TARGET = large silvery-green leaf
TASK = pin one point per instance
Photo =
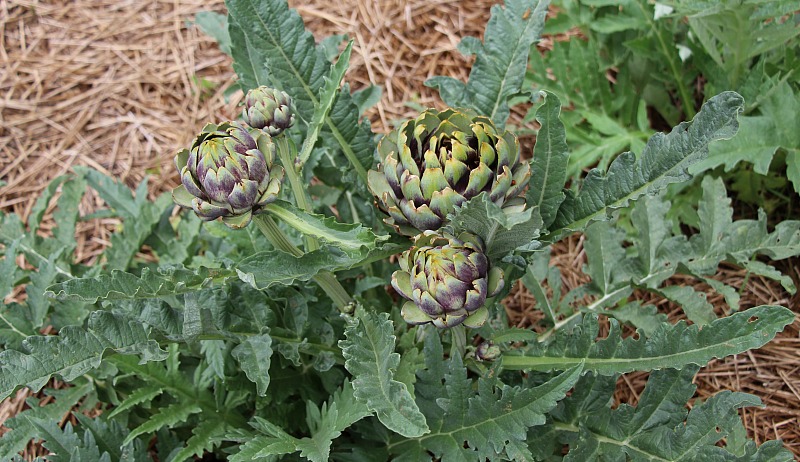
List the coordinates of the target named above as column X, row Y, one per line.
column 490, row 417
column 500, row 61
column 272, row 267
column 272, row 47
column 369, row 355
column 254, row 355
column 658, row 428
column 119, row 285
column 665, row 160
column 549, row 162
column 669, row 346
column 762, row 136
column 74, row 351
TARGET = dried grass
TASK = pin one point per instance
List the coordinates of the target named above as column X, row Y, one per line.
column 119, row 85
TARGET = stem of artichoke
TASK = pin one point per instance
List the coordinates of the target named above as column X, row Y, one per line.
column 325, row 279
column 458, row 340
column 287, row 152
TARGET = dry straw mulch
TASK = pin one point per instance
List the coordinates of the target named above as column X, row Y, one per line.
column 119, row 85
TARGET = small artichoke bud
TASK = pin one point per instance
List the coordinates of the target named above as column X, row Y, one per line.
column 229, row 174
column 434, row 163
column 446, row 280
column 269, row 110
column 487, row 351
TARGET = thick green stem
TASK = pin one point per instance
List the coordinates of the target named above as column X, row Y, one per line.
column 288, row 153
column 326, row 280
column 459, row 340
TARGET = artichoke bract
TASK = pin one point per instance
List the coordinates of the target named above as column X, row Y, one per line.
column 436, row 162
column 268, row 109
column 446, row 280
column 228, row 173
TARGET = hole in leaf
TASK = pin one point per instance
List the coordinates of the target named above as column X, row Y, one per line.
column 752, row 319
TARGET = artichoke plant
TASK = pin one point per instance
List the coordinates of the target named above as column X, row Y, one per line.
column 436, row 162
column 227, row 173
column 268, row 109
column 446, row 280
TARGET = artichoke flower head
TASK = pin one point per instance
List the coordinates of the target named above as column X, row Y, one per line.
column 268, row 109
column 434, row 163
column 228, row 173
column 446, row 280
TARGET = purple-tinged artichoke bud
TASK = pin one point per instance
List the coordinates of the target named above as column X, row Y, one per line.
column 269, row 110
column 487, row 351
column 446, row 280
column 434, row 163
column 229, row 174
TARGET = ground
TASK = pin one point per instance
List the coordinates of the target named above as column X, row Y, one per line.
column 120, row 85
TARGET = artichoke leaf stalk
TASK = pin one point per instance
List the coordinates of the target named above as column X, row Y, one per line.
column 270, row 112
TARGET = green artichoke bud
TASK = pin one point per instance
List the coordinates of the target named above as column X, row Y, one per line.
column 434, row 163
column 446, row 280
column 227, row 173
column 269, row 110
column 487, row 351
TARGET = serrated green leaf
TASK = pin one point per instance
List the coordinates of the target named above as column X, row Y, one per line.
column 342, row 411
column 21, row 428
column 119, row 285
column 327, row 94
column 500, row 63
column 60, row 443
column 493, row 422
column 273, row 267
column 165, row 417
column 74, row 351
column 204, row 438
column 549, row 163
column 663, row 161
column 669, row 346
column 326, row 424
column 502, row 230
column 761, row 136
column 369, row 355
column 353, row 239
column 694, row 303
column 659, row 427
column 254, row 356
column 271, row 47
column 138, row 396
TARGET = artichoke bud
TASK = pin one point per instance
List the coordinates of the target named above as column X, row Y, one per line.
column 269, row 110
column 446, row 280
column 433, row 164
column 228, row 174
column 487, row 351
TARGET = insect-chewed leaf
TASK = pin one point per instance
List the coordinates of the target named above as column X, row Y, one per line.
column 664, row 160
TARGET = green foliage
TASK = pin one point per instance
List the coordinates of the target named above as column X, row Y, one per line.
column 500, row 60
column 669, row 345
column 368, row 352
column 283, row 341
column 493, row 421
column 664, row 160
column 658, row 427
